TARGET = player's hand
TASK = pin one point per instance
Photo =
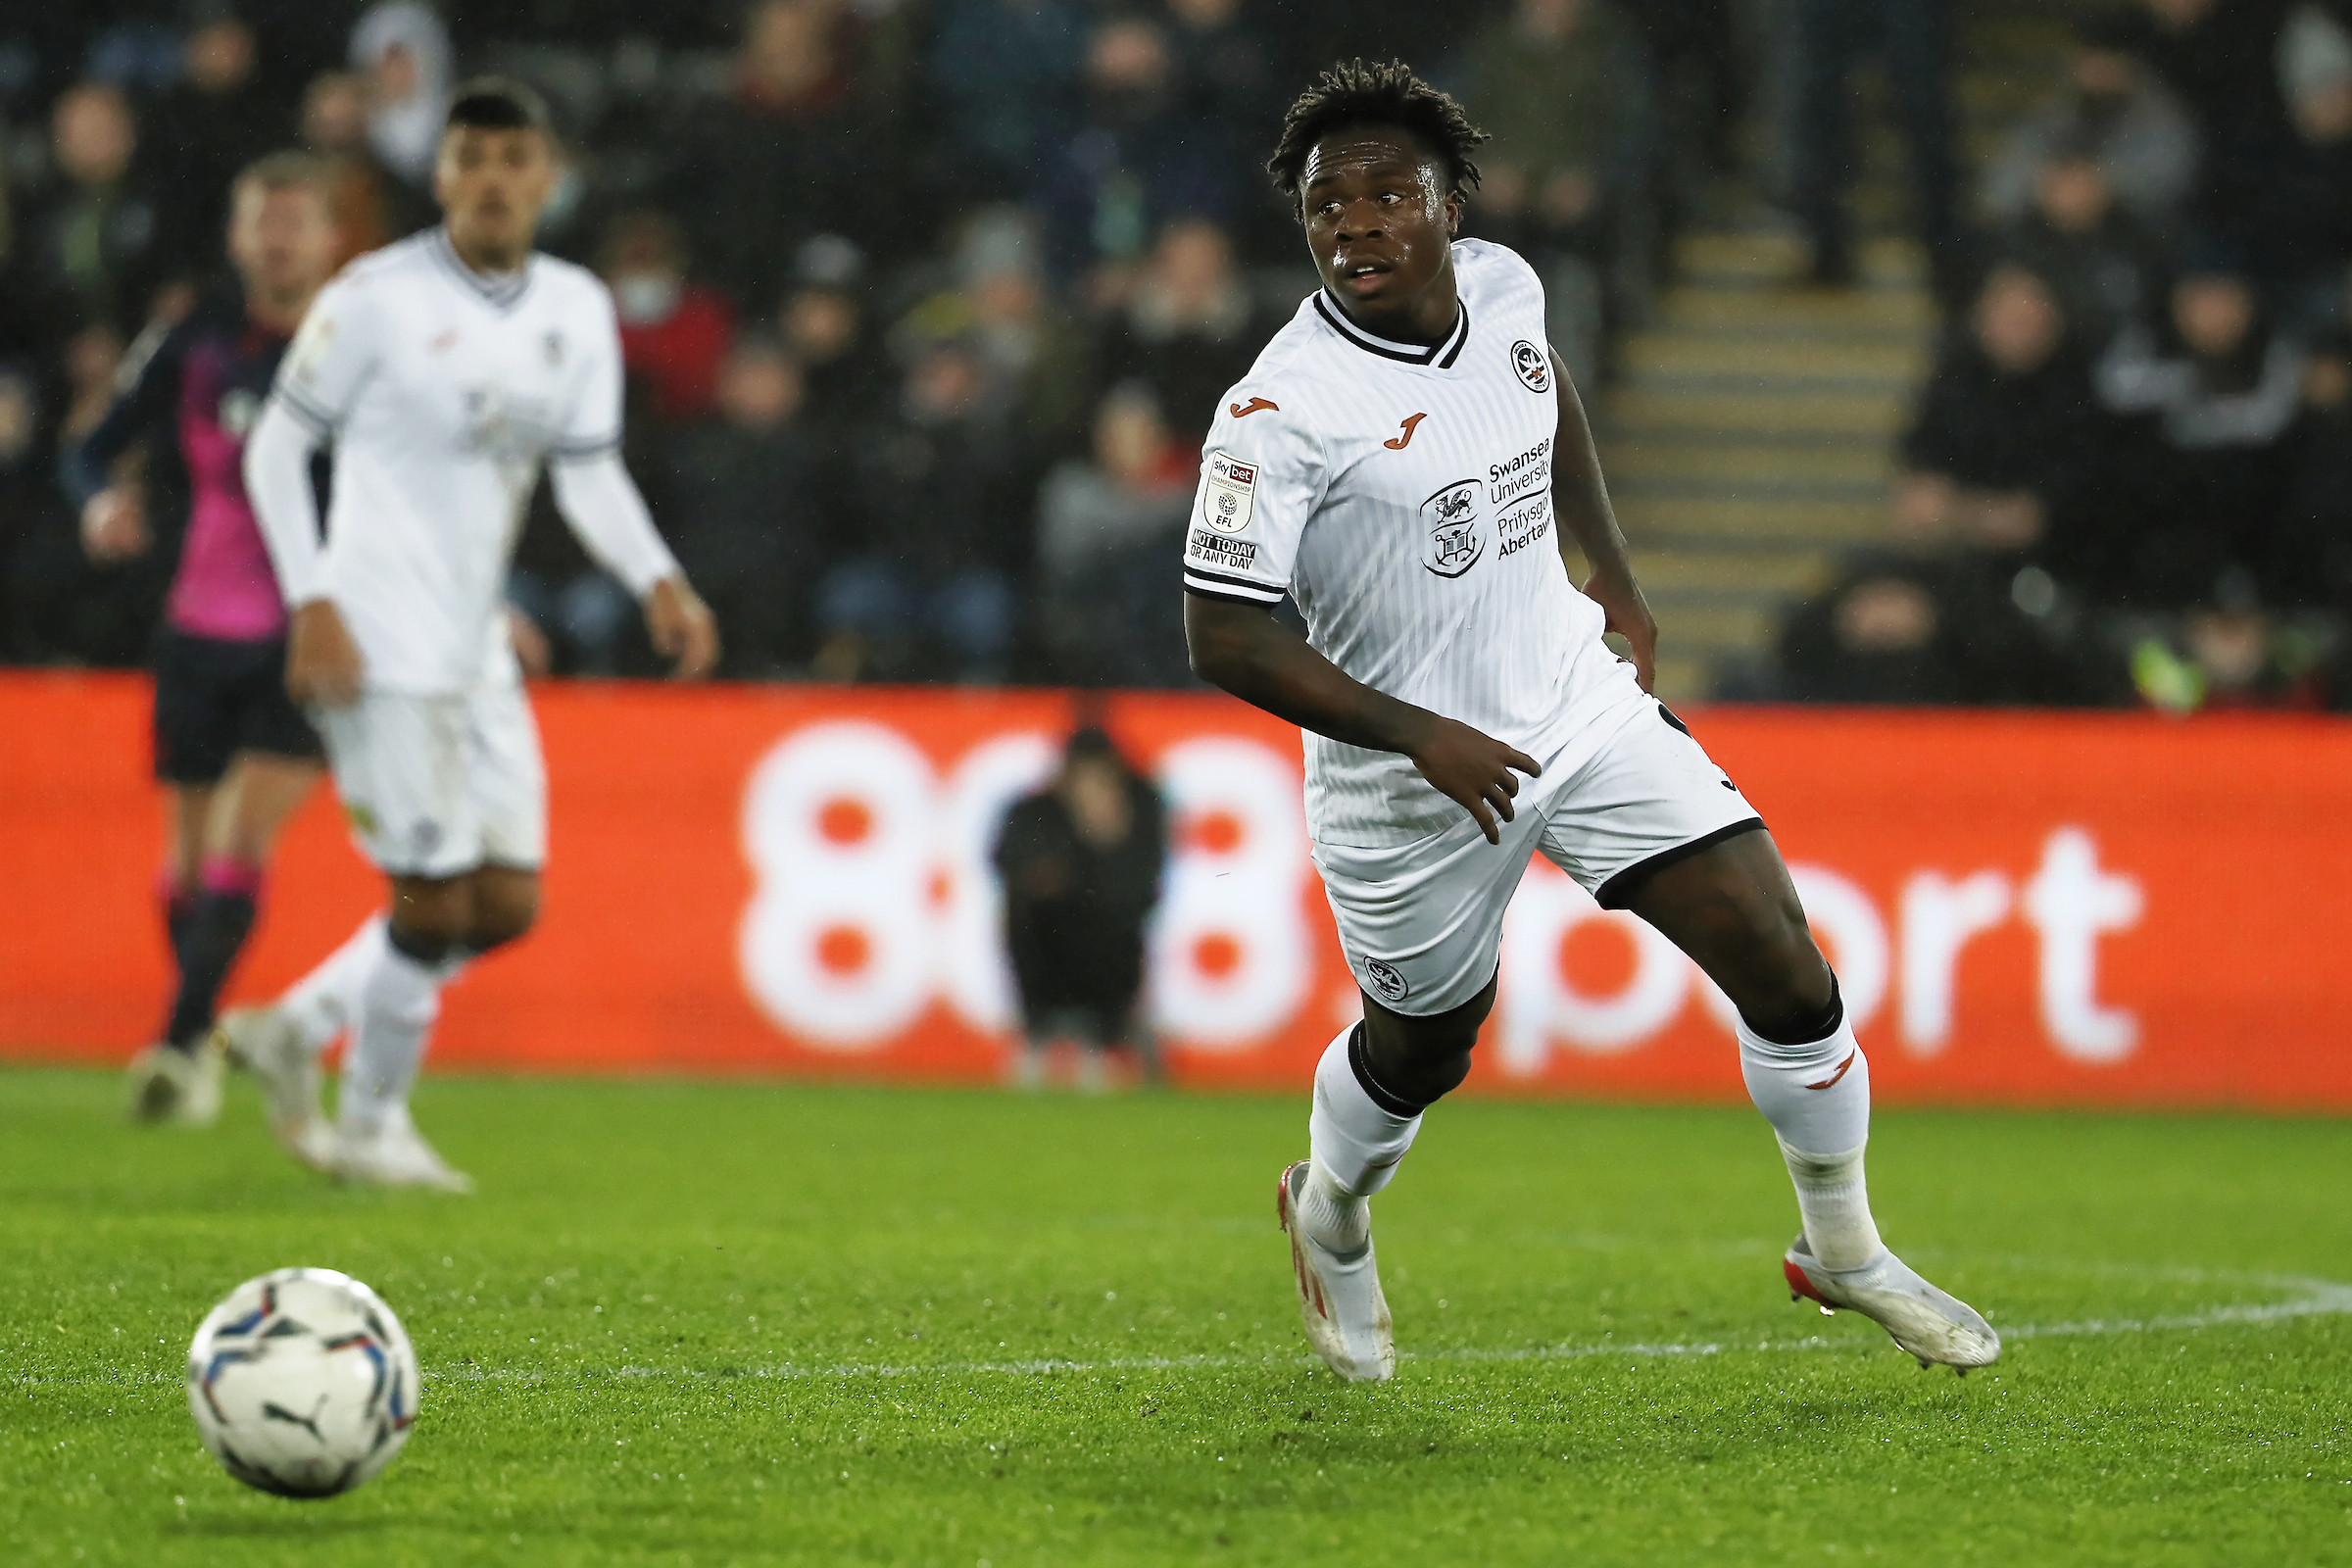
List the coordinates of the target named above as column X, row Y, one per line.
column 114, row 525
column 532, row 651
column 323, row 666
column 1472, row 769
column 682, row 628
column 1629, row 616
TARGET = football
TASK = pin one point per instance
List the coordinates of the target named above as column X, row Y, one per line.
column 302, row 1383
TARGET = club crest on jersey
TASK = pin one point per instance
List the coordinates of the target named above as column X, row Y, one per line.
column 1228, row 493
column 1532, row 364
column 1456, row 534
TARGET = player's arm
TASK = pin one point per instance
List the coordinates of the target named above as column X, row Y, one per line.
column 331, row 358
column 113, row 514
column 1582, row 499
column 608, row 516
column 1243, row 648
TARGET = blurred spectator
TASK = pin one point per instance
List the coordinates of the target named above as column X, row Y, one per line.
column 1005, row 73
column 1034, row 355
column 1698, row 76
column 218, row 119
column 748, row 504
column 29, row 507
column 2222, row 388
column 1915, row 631
column 2102, row 265
column 400, row 51
column 95, row 241
column 1189, row 328
column 2223, row 58
column 1081, row 861
column 2230, row 651
column 1108, row 533
column 1829, row 36
column 2111, row 110
column 823, row 322
column 926, row 586
column 1229, row 68
column 2009, row 457
column 2311, row 557
column 373, row 209
column 791, row 150
column 1559, row 85
column 673, row 333
column 1144, row 152
column 2302, row 224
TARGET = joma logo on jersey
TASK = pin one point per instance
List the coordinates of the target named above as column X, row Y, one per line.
column 1455, row 538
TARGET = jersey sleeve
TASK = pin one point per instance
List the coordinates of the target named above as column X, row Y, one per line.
column 331, row 358
column 591, row 427
column 146, row 390
column 1262, row 476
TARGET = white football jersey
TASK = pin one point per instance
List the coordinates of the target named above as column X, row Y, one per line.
column 1402, row 496
column 443, row 392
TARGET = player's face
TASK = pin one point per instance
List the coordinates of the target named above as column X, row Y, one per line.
column 1380, row 221
column 491, row 184
column 282, row 242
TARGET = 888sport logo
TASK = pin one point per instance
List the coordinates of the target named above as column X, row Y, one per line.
column 874, row 899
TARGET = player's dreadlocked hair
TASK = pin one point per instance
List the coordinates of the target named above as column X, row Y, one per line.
column 1353, row 93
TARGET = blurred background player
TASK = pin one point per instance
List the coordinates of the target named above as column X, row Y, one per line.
column 232, row 749
column 448, row 369
column 1081, row 861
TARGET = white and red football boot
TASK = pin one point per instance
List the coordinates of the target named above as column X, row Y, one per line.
column 1346, row 1318
column 1938, row 1328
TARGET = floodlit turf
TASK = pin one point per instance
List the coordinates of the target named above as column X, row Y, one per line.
column 711, row 1324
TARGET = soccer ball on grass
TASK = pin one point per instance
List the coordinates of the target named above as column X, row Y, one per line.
column 302, row 1383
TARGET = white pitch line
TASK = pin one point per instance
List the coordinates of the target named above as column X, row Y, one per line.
column 2319, row 1299
column 2322, row 1299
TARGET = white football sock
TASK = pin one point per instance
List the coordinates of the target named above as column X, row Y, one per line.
column 1817, row 1098
column 1356, row 1145
column 326, row 1002
column 397, row 1008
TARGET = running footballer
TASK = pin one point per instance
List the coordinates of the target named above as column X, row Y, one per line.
column 1403, row 461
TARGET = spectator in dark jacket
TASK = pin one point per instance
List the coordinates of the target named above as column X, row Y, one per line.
column 219, row 119
column 1189, row 327
column 2008, row 456
column 749, row 500
column 2311, row 556
column 2103, row 264
column 1081, row 862
column 2112, row 109
column 96, row 238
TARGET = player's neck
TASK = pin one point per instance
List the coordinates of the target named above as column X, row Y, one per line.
column 278, row 312
column 488, row 260
column 1427, row 319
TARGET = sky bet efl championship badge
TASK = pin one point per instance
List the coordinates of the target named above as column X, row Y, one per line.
column 1230, row 494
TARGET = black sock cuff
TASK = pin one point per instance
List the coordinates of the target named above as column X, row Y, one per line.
column 1395, row 1105
column 1806, row 1031
column 419, row 949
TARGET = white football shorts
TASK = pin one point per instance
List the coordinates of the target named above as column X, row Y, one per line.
column 435, row 786
column 1422, row 922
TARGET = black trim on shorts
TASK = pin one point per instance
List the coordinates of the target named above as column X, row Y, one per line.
column 1617, row 891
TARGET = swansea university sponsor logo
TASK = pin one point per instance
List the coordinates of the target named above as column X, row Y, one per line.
column 1532, row 365
column 1454, row 534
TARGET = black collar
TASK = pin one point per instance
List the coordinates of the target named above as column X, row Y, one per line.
column 500, row 291
column 1441, row 354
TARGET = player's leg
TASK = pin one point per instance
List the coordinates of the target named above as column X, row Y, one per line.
column 179, row 1079
column 1421, row 924
column 249, row 811
column 1652, row 825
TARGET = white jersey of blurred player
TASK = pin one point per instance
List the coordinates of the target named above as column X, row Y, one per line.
column 444, row 391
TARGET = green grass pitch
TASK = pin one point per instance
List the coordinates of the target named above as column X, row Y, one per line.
column 760, row 1324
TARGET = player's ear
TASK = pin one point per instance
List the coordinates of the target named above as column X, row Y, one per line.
column 1453, row 212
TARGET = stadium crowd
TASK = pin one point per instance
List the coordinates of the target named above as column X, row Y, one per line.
column 927, row 303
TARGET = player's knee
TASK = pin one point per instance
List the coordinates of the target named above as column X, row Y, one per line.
column 431, row 915
column 1423, row 1058
column 505, row 906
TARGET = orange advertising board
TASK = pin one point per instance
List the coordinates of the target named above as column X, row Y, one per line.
column 2024, row 909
